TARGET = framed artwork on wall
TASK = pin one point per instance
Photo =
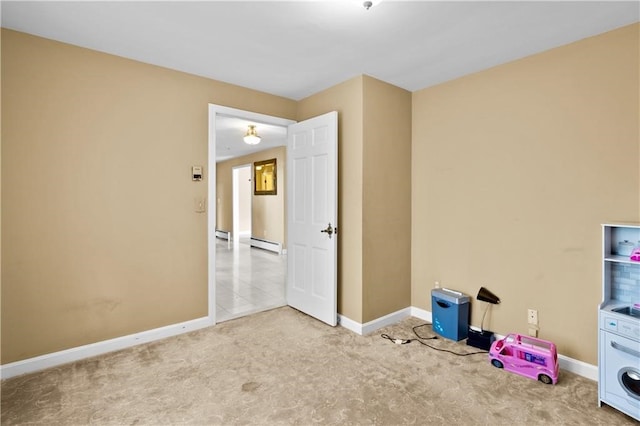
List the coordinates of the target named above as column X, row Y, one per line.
column 264, row 177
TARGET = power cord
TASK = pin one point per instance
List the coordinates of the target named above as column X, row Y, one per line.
column 405, row 341
column 420, row 339
column 397, row 341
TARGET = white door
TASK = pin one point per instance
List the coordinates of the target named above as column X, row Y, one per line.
column 312, row 160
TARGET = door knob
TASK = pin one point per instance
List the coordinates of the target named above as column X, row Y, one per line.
column 329, row 230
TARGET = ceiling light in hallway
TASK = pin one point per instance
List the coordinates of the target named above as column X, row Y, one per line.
column 368, row 4
column 251, row 137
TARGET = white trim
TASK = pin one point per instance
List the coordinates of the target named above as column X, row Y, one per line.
column 386, row 320
column 578, row 367
column 223, row 235
column 66, row 356
column 350, row 324
column 421, row 314
column 371, row 326
column 211, row 217
column 273, row 246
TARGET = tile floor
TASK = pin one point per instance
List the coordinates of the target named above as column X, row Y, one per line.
column 248, row 280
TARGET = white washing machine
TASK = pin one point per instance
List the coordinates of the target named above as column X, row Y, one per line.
column 619, row 384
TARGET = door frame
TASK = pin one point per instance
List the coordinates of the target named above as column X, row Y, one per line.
column 235, row 185
column 214, row 111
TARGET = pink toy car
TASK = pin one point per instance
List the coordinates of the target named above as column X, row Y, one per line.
column 527, row 356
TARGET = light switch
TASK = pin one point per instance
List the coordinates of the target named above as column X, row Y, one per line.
column 196, row 173
column 199, row 204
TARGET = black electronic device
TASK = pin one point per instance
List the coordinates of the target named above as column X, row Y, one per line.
column 484, row 338
column 480, row 339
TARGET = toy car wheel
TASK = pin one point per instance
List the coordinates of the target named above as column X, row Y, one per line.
column 498, row 364
column 545, row 379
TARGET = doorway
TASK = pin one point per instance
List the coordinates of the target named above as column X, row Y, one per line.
column 248, row 279
column 311, row 203
column 243, row 279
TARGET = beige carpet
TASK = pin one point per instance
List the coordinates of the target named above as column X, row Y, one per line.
column 282, row 367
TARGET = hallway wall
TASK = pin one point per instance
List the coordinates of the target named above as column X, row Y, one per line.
column 268, row 212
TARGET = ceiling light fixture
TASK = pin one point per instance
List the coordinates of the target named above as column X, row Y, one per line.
column 368, row 4
column 251, row 137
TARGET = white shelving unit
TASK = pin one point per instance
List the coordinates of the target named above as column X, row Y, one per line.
column 617, row 281
column 619, row 325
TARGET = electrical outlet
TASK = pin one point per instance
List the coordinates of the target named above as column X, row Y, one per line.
column 532, row 316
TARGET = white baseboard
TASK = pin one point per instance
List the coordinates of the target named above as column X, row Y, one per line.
column 266, row 245
column 568, row 364
column 224, row 235
column 371, row 326
column 350, row 324
column 421, row 314
column 578, row 367
column 386, row 320
column 74, row 354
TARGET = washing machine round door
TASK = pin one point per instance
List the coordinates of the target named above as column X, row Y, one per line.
column 629, row 379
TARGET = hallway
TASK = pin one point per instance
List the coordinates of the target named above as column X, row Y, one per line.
column 248, row 280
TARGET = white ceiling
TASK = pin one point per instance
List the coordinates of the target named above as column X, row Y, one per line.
column 229, row 133
column 297, row 48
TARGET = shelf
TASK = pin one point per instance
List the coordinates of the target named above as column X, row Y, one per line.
column 622, row 225
column 620, row 259
column 620, row 289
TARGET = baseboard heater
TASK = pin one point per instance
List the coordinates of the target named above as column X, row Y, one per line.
column 266, row 245
column 224, row 235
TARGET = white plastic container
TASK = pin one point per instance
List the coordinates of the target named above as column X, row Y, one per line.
column 625, row 248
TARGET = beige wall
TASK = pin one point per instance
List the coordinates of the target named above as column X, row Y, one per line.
column 514, row 170
column 99, row 234
column 268, row 211
column 386, row 205
column 346, row 98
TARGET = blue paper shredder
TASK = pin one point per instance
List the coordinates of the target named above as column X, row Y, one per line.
column 450, row 313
